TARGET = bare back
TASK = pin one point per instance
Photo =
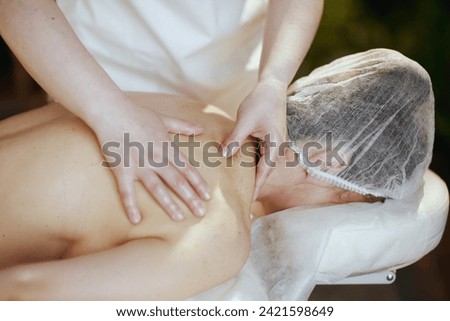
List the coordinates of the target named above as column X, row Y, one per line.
column 57, row 201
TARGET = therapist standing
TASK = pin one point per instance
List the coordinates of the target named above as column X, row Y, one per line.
column 85, row 53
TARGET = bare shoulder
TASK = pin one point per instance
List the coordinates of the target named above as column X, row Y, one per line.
column 36, row 117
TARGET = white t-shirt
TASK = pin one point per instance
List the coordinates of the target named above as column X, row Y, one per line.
column 203, row 49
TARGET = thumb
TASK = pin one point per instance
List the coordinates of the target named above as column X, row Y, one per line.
column 263, row 171
column 234, row 140
column 176, row 125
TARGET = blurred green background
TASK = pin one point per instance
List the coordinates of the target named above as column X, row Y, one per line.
column 420, row 29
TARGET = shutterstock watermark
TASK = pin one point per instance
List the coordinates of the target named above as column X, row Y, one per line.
column 322, row 152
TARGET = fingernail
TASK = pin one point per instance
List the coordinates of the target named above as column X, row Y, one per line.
column 206, row 195
column 178, row 216
column 226, row 152
column 200, row 209
column 135, row 217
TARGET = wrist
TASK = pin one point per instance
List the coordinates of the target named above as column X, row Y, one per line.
column 273, row 86
column 100, row 112
column 273, row 80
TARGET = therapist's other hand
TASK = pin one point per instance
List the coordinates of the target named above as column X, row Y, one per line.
column 155, row 166
column 262, row 114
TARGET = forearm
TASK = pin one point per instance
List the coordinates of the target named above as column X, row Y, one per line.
column 43, row 41
column 139, row 270
column 129, row 272
column 132, row 274
column 289, row 32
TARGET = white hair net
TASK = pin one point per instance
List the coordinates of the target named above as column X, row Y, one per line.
column 373, row 112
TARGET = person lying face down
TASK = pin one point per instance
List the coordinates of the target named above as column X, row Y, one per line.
column 64, row 234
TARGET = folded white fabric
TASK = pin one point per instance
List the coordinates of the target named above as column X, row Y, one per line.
column 295, row 249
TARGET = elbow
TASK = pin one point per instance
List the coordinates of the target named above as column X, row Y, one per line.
column 21, row 284
column 233, row 252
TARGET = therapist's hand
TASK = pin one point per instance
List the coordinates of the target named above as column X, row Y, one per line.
column 262, row 114
column 145, row 126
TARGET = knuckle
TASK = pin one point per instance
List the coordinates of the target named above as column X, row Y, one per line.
column 129, row 203
column 185, row 190
column 151, row 184
column 125, row 192
column 161, row 191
